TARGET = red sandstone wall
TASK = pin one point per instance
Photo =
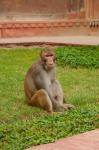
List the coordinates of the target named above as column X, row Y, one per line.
column 23, row 8
column 41, row 9
column 52, row 28
column 75, row 9
column 33, row 6
column 12, row 10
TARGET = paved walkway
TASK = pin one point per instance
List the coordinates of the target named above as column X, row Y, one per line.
column 55, row 40
column 85, row 141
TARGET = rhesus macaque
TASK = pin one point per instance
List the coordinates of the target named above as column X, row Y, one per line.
column 41, row 87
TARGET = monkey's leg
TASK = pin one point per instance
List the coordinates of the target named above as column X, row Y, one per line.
column 41, row 99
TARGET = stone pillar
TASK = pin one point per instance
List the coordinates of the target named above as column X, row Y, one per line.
column 89, row 8
column 96, row 9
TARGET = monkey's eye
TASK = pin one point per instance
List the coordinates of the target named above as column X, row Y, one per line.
column 46, row 55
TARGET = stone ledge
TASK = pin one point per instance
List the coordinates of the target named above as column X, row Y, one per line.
column 42, row 24
column 40, row 28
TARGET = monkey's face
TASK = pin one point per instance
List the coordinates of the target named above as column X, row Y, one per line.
column 48, row 61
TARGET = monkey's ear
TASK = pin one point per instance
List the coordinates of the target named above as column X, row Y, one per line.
column 54, row 59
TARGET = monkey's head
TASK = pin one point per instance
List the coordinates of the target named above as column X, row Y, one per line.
column 48, row 59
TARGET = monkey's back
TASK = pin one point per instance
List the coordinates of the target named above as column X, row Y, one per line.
column 29, row 85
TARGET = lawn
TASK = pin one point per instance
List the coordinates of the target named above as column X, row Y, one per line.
column 21, row 125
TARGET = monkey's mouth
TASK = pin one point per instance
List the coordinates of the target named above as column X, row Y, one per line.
column 50, row 66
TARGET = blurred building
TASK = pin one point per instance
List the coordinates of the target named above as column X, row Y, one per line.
column 20, row 18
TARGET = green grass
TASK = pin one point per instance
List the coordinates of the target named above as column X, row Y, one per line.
column 78, row 56
column 21, row 125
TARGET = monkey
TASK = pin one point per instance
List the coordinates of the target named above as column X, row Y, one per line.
column 41, row 87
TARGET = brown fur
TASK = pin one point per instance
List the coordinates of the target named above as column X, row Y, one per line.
column 41, row 87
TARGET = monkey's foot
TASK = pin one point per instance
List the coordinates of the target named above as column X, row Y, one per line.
column 59, row 109
column 68, row 106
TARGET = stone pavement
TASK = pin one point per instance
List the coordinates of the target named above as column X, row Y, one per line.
column 85, row 141
column 54, row 40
